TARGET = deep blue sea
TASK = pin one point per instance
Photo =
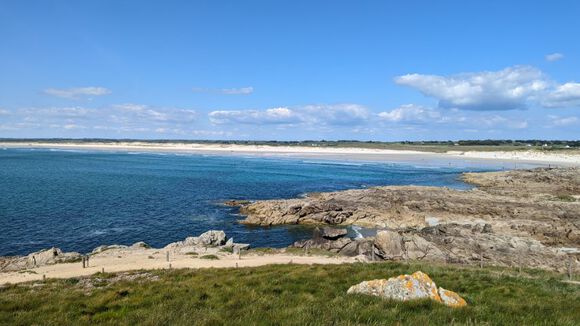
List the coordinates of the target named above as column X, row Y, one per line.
column 78, row 200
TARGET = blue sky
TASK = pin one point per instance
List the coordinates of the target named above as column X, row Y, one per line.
column 290, row 70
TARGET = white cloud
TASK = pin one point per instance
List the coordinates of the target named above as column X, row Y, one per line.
column 138, row 112
column 335, row 114
column 4, row 112
column 410, row 113
column 225, row 91
column 554, row 57
column 122, row 118
column 563, row 121
column 31, row 114
column 507, row 89
column 78, row 92
column 564, row 95
column 495, row 121
column 321, row 115
column 270, row 116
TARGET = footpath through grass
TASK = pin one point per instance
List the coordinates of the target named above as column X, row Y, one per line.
column 290, row 295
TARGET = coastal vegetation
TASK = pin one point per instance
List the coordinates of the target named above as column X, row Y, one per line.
column 290, row 295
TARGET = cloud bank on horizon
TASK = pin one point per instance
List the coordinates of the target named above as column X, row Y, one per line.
column 347, row 71
column 470, row 101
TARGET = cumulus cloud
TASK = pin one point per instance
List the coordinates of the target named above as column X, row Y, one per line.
column 513, row 88
column 410, row 113
column 554, row 57
column 320, row 114
column 78, row 92
column 565, row 95
column 506, row 89
column 225, row 91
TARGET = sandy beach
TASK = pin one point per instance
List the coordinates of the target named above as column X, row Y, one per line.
column 130, row 260
column 530, row 157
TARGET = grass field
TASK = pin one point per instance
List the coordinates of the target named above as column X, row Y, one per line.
column 291, row 295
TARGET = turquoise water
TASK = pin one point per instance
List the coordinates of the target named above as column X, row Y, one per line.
column 77, row 200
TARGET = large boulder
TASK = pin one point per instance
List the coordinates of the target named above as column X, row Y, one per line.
column 390, row 243
column 333, row 233
column 51, row 256
column 212, row 238
column 357, row 247
column 395, row 246
column 417, row 248
column 408, row 287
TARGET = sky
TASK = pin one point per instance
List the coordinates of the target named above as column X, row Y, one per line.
column 290, row 70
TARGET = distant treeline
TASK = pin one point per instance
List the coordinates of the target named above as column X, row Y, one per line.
column 321, row 143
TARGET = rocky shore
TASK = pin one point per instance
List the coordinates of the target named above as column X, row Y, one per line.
column 525, row 218
column 210, row 243
column 522, row 218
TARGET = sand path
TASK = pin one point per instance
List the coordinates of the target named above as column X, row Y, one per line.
column 149, row 259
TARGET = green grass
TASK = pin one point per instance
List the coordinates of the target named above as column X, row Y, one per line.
column 565, row 198
column 293, row 295
column 210, row 257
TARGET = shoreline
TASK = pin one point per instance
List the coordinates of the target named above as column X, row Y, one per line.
column 529, row 158
column 506, row 199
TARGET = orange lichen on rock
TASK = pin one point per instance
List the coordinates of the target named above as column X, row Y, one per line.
column 409, row 287
column 451, row 298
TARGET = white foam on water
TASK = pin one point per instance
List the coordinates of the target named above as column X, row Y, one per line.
column 356, row 230
column 333, row 163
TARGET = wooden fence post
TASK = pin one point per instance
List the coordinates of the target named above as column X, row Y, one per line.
column 570, row 271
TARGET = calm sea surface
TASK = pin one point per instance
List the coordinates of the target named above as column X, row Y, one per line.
column 77, row 200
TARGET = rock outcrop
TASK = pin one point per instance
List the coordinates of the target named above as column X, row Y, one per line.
column 210, row 242
column 210, row 238
column 514, row 218
column 408, row 287
column 40, row 258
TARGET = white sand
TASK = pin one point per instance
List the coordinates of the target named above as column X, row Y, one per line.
column 525, row 157
column 156, row 259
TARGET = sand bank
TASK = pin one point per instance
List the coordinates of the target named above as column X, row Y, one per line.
column 530, row 157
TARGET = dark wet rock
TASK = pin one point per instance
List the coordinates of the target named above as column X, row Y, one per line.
column 333, row 233
column 237, row 202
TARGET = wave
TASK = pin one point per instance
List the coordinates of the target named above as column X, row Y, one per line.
column 356, row 230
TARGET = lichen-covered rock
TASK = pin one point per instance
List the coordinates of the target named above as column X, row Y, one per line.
column 408, row 287
column 451, row 298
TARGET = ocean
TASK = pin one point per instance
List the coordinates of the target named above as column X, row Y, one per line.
column 77, row 200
